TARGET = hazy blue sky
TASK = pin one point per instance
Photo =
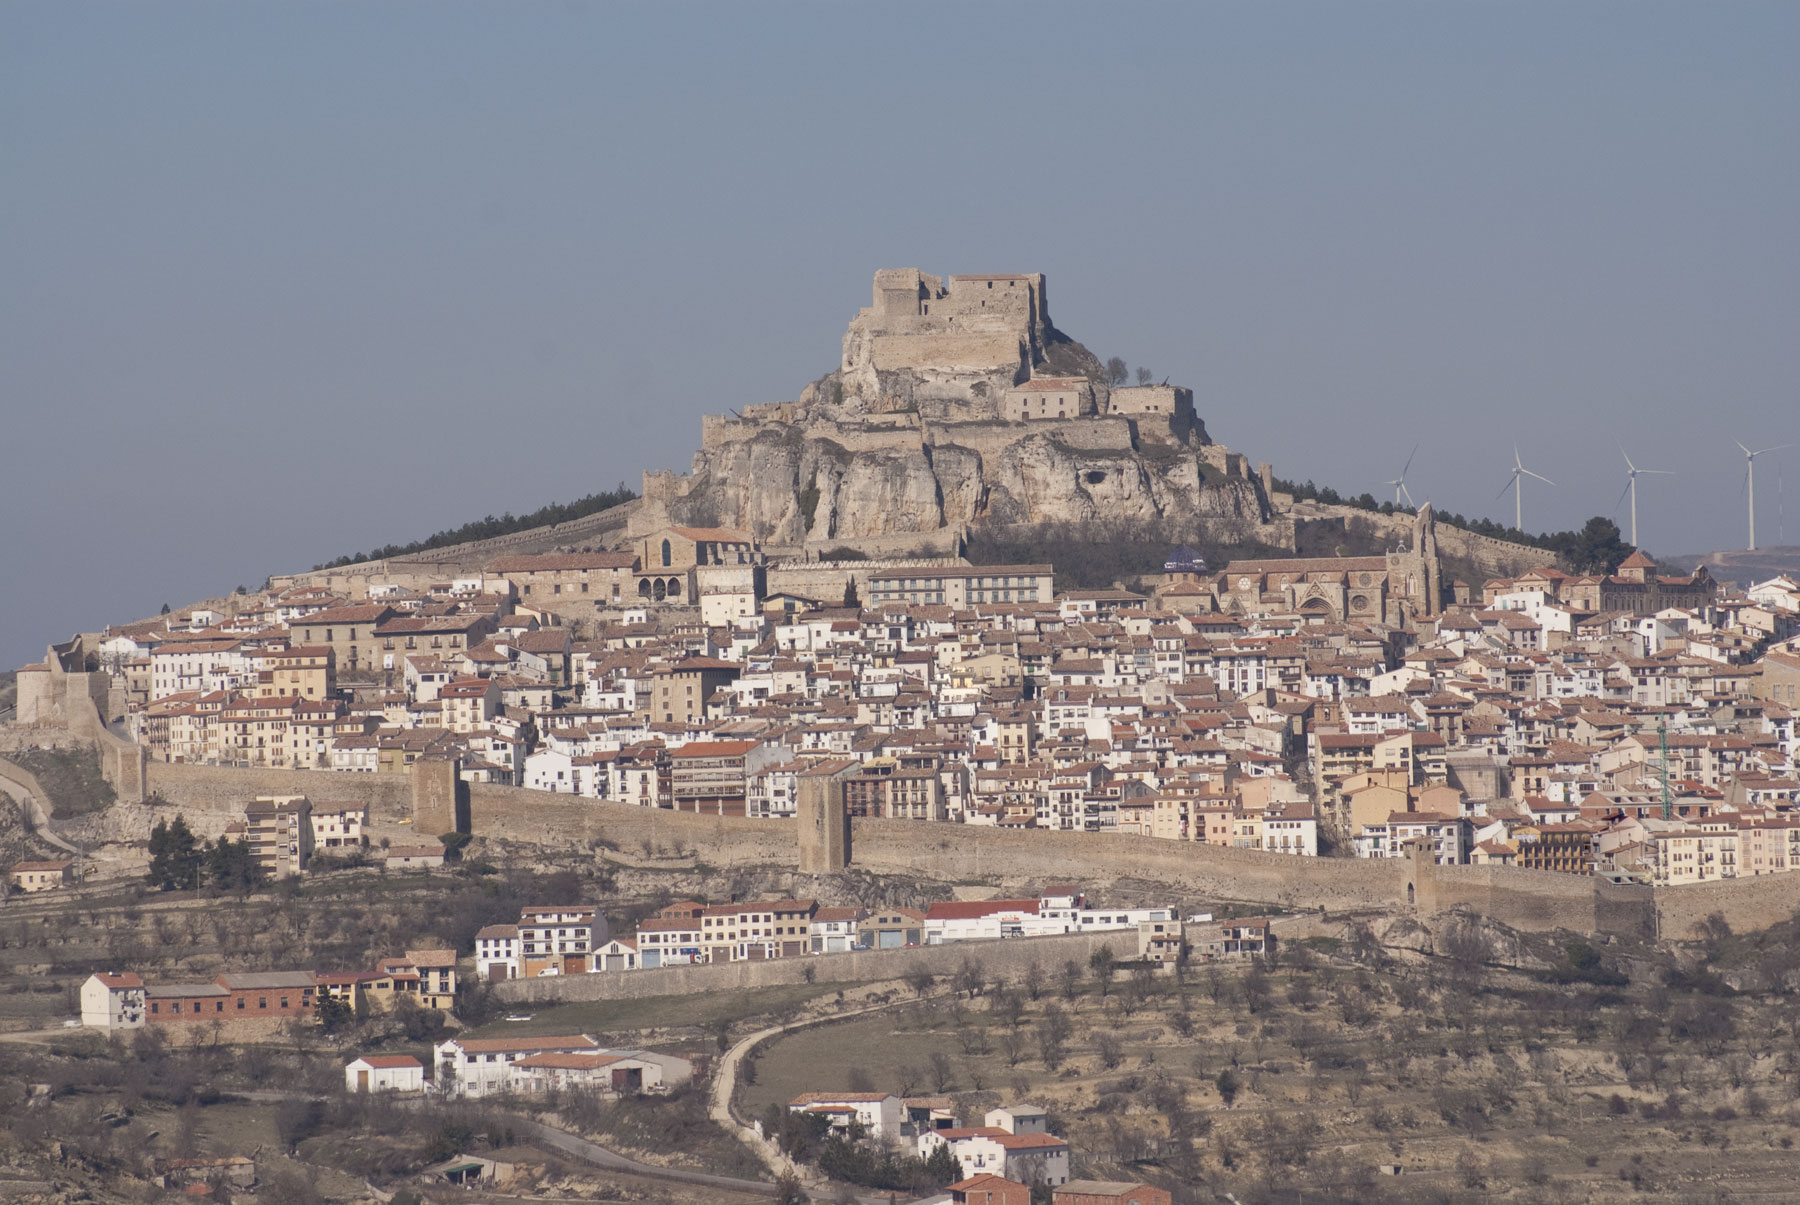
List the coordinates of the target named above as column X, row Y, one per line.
column 282, row 282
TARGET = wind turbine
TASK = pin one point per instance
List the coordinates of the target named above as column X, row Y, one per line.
column 1631, row 488
column 1750, row 481
column 1399, row 483
column 1516, row 485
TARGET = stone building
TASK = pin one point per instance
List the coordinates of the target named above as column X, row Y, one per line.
column 547, row 579
column 944, row 347
column 280, row 833
column 1639, row 589
column 1400, row 586
column 1048, row 398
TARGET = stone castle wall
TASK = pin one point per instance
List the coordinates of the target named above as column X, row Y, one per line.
column 1746, row 904
column 1099, row 434
column 422, row 569
column 1532, row 900
column 825, row 580
column 950, row 353
column 1500, row 558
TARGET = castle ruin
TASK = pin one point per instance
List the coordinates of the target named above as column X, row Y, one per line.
column 957, row 403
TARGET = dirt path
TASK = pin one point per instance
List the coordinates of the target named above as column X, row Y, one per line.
column 16, row 782
column 724, row 1086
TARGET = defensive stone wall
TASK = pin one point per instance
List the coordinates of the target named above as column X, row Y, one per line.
column 1490, row 556
column 224, row 790
column 1101, row 434
column 1497, row 557
column 946, row 352
column 946, row 541
column 825, row 580
column 64, row 696
column 423, row 568
column 1007, row 859
column 1746, row 904
column 997, row 960
column 1524, row 899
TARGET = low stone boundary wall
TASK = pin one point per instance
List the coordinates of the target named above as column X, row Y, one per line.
column 1007, row 959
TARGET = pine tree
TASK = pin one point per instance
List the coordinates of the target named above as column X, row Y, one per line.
column 176, row 857
column 941, row 1167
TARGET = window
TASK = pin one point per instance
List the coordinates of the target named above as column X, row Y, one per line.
column 666, row 554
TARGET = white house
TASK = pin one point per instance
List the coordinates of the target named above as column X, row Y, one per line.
column 112, row 1002
column 879, row 1114
column 384, row 1073
column 617, row 1072
column 497, row 952
column 1291, row 830
column 833, row 930
column 1020, row 1119
column 415, row 857
column 668, row 942
column 619, row 954
column 339, row 825
column 993, row 1150
column 483, row 1066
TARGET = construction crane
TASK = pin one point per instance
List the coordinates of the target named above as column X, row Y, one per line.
column 1662, row 737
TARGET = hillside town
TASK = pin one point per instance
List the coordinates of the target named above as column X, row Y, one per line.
column 1634, row 725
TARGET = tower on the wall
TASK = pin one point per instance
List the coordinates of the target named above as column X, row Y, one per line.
column 440, row 798
column 823, row 820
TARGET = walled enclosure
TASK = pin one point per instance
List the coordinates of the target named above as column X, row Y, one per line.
column 1523, row 899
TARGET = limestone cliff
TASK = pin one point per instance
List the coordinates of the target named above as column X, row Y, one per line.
column 789, row 485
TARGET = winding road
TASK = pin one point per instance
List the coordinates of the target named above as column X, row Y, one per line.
column 36, row 811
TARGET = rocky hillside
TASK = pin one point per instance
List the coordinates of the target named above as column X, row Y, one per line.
column 789, row 485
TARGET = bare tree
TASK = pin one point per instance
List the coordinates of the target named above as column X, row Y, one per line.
column 1012, row 1045
column 1139, row 987
column 1034, row 980
column 1052, row 1035
column 1144, row 375
column 1071, row 979
column 1116, row 372
column 1009, row 1004
column 972, row 1039
column 1109, row 1048
column 907, row 1079
column 943, row 1071
column 1101, row 962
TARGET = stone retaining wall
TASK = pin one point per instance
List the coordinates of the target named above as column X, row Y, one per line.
column 997, row 959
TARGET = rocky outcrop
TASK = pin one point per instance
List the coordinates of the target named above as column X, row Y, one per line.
column 788, row 486
column 921, row 430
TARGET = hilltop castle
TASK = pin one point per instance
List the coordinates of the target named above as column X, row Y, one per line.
column 955, row 404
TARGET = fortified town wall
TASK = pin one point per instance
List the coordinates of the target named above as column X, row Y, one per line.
column 1523, row 899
